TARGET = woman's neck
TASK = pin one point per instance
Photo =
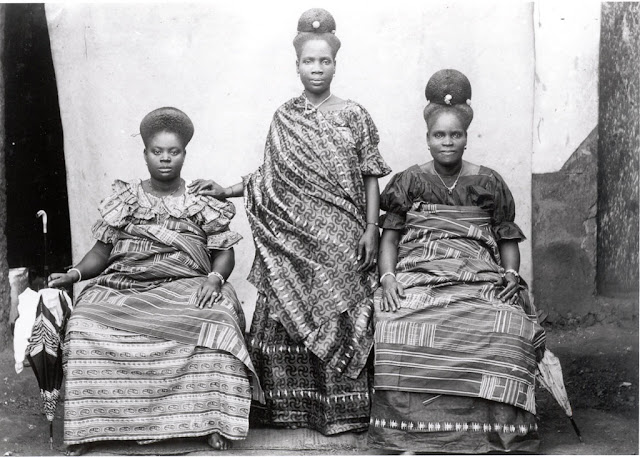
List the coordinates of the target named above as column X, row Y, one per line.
column 164, row 187
column 447, row 170
column 317, row 99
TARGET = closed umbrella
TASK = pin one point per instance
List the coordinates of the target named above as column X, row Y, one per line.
column 44, row 350
column 549, row 375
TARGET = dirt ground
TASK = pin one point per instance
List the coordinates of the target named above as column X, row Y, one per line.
column 600, row 365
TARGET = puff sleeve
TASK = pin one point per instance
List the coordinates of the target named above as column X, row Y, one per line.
column 396, row 201
column 115, row 212
column 504, row 213
column 214, row 216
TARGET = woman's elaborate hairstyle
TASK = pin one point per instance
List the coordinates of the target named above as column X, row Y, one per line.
column 449, row 91
column 167, row 119
column 316, row 24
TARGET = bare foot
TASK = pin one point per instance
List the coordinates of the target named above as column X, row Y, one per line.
column 218, row 442
column 77, row 449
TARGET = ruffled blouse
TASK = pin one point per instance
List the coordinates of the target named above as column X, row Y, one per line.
column 477, row 186
column 130, row 204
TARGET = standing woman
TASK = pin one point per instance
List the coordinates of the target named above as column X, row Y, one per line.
column 313, row 208
column 456, row 336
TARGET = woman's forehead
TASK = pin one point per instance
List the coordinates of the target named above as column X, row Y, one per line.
column 445, row 120
column 316, row 47
column 165, row 138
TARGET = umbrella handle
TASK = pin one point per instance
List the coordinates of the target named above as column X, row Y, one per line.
column 42, row 213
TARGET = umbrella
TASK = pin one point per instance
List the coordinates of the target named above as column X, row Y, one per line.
column 549, row 375
column 44, row 350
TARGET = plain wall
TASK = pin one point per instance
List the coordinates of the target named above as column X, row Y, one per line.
column 229, row 65
column 567, row 39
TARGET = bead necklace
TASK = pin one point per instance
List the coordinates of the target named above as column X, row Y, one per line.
column 450, row 189
column 164, row 196
column 306, row 100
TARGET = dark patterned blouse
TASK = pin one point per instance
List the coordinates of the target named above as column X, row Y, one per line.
column 477, row 186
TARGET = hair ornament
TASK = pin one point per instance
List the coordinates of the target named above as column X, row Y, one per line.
column 448, row 90
column 316, row 24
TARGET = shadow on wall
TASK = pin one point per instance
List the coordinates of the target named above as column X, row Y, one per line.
column 564, row 233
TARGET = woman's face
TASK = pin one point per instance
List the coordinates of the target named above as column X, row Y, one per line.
column 164, row 155
column 446, row 138
column 316, row 66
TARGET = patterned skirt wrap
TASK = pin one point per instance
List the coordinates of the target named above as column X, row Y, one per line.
column 301, row 390
column 454, row 360
column 125, row 386
column 137, row 339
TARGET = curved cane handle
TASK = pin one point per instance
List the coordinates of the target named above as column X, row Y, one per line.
column 42, row 213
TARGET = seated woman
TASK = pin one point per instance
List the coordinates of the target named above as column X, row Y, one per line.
column 155, row 346
column 456, row 335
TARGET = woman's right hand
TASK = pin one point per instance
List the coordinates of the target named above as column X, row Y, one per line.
column 209, row 292
column 61, row 279
column 392, row 292
column 208, row 187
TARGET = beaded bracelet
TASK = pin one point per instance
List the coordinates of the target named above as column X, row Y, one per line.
column 217, row 275
column 373, row 223
column 513, row 272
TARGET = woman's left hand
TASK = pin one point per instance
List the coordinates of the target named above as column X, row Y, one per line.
column 368, row 248
column 209, row 292
column 511, row 287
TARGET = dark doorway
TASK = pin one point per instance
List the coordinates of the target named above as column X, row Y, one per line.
column 34, row 159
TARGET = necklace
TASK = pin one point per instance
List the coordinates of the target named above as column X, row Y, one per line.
column 450, row 189
column 164, row 196
column 306, row 100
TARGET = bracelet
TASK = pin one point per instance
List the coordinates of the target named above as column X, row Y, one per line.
column 77, row 271
column 388, row 273
column 373, row 223
column 513, row 272
column 217, row 275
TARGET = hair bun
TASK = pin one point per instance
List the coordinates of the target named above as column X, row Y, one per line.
column 169, row 119
column 448, row 87
column 317, row 20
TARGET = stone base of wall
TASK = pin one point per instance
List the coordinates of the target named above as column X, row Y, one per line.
column 564, row 234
